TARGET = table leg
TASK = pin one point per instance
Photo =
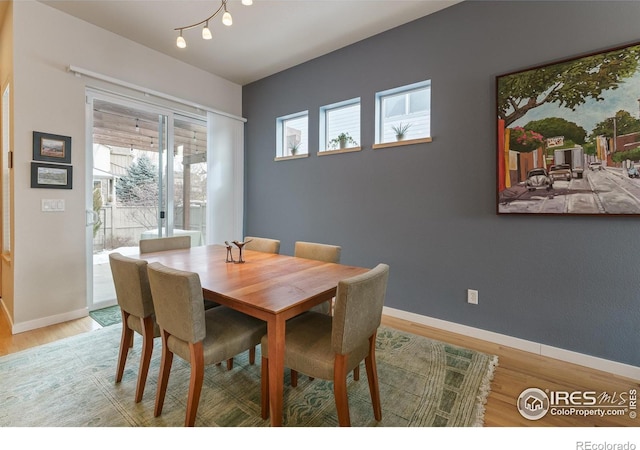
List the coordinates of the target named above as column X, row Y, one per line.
column 275, row 335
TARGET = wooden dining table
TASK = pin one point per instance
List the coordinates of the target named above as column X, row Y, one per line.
column 268, row 286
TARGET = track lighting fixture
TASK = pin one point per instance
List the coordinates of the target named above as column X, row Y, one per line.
column 206, row 32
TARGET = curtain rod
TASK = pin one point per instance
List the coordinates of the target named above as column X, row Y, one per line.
column 88, row 73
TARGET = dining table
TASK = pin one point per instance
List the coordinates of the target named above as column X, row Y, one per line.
column 271, row 287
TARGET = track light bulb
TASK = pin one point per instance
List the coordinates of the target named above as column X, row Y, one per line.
column 206, row 32
column 181, row 43
column 227, row 19
column 247, row 2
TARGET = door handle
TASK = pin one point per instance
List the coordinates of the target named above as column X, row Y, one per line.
column 92, row 217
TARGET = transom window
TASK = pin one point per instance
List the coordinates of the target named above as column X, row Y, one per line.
column 404, row 113
column 292, row 135
column 340, row 126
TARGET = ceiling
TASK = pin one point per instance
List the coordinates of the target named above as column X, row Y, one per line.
column 265, row 38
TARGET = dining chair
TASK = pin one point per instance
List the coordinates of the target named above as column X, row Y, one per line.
column 328, row 347
column 318, row 252
column 197, row 336
column 134, row 298
column 169, row 243
column 164, row 243
column 264, row 245
column 326, row 253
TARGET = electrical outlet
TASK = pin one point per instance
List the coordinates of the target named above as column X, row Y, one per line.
column 472, row 296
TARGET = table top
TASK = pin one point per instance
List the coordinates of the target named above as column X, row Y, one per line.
column 265, row 284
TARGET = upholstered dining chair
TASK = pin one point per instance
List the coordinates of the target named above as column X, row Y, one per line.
column 328, row 347
column 164, row 243
column 134, row 298
column 197, row 336
column 318, row 252
column 326, row 253
column 264, row 245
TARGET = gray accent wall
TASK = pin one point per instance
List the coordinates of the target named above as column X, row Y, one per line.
column 429, row 210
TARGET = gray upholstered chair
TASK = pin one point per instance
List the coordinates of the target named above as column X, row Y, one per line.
column 319, row 252
column 169, row 243
column 134, row 298
column 265, row 245
column 164, row 243
column 328, row 347
column 197, row 336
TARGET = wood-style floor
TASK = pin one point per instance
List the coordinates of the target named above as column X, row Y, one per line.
column 517, row 371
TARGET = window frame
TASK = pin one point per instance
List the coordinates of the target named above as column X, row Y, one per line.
column 283, row 153
column 325, row 111
column 406, row 90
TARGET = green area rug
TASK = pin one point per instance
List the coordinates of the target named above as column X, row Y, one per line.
column 111, row 315
column 70, row 383
column 107, row 316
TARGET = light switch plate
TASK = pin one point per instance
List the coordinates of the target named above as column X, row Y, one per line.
column 52, row 205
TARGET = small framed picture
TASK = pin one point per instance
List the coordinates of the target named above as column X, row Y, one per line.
column 51, row 147
column 51, row 176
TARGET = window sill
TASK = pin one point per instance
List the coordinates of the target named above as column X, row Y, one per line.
column 286, row 158
column 401, row 143
column 341, row 150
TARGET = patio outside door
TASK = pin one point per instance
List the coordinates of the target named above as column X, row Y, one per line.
column 139, row 189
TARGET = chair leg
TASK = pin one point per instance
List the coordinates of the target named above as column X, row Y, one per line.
column 340, row 390
column 252, row 355
column 163, row 377
column 145, row 358
column 372, row 376
column 356, row 373
column 294, row 378
column 229, row 363
column 195, row 383
column 264, row 382
column 127, row 335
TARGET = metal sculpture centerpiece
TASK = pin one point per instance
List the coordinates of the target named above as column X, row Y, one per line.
column 240, row 246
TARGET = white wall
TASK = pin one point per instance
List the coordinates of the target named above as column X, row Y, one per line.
column 49, row 254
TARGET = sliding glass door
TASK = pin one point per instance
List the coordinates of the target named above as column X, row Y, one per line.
column 148, row 180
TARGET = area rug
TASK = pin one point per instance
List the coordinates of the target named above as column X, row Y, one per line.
column 111, row 315
column 70, row 383
column 108, row 316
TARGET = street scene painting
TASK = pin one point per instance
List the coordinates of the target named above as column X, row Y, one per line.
column 569, row 136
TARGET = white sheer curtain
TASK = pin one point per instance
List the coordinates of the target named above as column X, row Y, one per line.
column 225, row 182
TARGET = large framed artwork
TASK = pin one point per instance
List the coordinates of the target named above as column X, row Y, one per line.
column 569, row 136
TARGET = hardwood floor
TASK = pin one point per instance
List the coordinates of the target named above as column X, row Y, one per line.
column 14, row 343
column 517, row 371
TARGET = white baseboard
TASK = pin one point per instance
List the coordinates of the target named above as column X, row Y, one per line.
column 592, row 362
column 49, row 320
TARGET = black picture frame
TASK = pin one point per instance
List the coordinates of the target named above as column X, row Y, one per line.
column 51, row 176
column 51, row 147
column 568, row 136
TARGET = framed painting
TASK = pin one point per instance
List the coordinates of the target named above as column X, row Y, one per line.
column 51, row 176
column 568, row 136
column 51, row 147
